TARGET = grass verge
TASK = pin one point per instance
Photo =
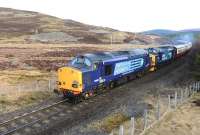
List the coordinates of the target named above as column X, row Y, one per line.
column 22, row 99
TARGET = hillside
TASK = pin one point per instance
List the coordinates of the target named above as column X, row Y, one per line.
column 17, row 26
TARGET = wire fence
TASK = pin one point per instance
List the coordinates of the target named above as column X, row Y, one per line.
column 9, row 92
column 141, row 122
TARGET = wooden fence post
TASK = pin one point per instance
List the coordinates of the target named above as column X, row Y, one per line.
column 132, row 126
column 49, row 85
column 169, row 102
column 175, row 100
column 158, row 110
column 145, row 119
column 181, row 96
column 121, row 130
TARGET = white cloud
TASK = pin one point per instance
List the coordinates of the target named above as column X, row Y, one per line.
column 128, row 15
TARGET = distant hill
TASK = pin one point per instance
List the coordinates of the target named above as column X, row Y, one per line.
column 191, row 30
column 190, row 35
column 17, row 26
column 159, row 32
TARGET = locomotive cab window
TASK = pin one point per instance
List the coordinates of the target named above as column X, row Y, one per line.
column 81, row 61
column 108, row 70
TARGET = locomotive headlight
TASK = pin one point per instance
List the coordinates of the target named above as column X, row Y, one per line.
column 58, row 83
column 75, row 84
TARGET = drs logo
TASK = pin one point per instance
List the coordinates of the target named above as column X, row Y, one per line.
column 128, row 66
column 166, row 56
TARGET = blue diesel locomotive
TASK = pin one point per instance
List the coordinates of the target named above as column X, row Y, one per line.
column 87, row 75
column 164, row 55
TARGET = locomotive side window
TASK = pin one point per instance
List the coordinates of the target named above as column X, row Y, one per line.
column 96, row 65
column 108, row 70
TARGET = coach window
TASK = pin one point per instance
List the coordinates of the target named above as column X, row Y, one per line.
column 108, row 70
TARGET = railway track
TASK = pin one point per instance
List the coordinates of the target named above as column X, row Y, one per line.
column 26, row 120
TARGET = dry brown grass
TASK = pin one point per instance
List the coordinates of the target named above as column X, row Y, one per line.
column 18, row 88
column 22, row 76
column 184, row 121
column 110, row 122
column 21, row 99
column 151, row 102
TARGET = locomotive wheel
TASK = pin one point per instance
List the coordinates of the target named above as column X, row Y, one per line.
column 140, row 75
column 76, row 99
column 126, row 79
column 111, row 85
column 64, row 95
column 86, row 96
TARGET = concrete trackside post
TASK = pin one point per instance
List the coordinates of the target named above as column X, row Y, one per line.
column 132, row 130
column 190, row 90
column 169, row 102
column 1, row 110
column 111, row 133
column 175, row 100
column 193, row 89
column 181, row 96
column 121, row 130
column 158, row 110
column 49, row 85
column 186, row 94
column 145, row 119
column 198, row 86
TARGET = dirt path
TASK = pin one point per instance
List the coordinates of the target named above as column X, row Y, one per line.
column 184, row 121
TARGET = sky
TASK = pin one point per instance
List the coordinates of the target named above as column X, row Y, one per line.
column 125, row 15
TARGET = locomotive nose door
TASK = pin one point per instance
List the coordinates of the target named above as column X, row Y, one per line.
column 153, row 58
column 98, row 72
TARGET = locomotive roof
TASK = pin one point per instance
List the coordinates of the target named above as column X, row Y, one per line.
column 183, row 45
column 162, row 49
column 104, row 56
